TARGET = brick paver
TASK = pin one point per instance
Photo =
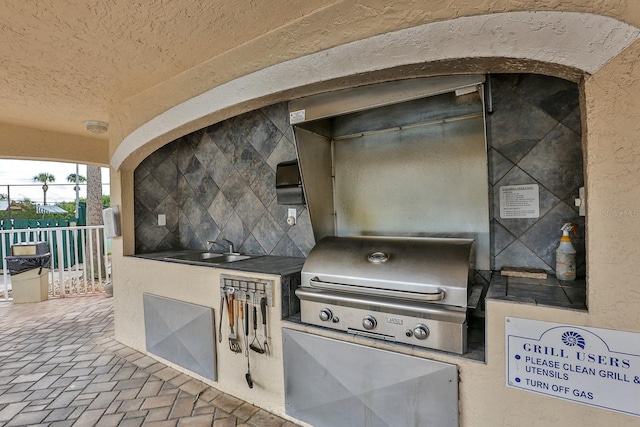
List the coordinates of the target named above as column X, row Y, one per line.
column 60, row 366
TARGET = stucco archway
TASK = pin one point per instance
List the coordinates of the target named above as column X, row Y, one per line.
column 564, row 40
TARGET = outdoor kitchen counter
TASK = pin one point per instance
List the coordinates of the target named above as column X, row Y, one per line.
column 185, row 290
column 264, row 264
column 549, row 292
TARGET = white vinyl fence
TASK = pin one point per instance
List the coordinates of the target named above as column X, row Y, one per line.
column 75, row 253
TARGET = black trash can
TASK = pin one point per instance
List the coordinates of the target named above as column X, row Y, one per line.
column 29, row 272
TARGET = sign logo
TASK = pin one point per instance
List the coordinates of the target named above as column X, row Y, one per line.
column 572, row 338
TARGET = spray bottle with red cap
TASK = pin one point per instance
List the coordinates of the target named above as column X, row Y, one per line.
column 566, row 254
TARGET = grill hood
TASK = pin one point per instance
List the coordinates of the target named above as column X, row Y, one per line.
column 413, row 268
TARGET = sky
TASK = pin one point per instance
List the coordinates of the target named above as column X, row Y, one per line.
column 18, row 174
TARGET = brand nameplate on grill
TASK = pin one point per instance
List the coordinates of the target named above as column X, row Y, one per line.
column 394, row 320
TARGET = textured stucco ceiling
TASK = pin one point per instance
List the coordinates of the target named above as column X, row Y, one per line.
column 127, row 61
column 66, row 61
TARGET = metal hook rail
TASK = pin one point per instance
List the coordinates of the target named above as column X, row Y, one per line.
column 247, row 289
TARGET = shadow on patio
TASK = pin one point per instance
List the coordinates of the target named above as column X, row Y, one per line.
column 60, row 366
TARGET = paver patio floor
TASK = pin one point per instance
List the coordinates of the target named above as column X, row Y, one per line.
column 60, row 366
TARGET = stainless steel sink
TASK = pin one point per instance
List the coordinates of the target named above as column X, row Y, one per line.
column 207, row 258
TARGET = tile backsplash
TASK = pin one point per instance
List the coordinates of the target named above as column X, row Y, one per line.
column 219, row 182
column 534, row 136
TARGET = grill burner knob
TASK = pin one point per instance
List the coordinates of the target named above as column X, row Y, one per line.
column 369, row 323
column 325, row 314
column 421, row 332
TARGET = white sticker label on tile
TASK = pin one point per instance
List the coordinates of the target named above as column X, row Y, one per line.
column 297, row 116
column 519, row 201
column 591, row 366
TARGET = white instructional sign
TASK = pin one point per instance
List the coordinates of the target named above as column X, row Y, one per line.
column 595, row 367
column 297, row 116
column 519, row 201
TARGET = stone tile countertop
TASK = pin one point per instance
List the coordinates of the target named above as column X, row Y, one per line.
column 264, row 264
column 549, row 292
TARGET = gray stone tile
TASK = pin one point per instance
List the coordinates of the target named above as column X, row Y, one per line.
column 150, row 193
column 232, row 143
column 234, row 188
column 250, row 209
column 280, row 213
column 556, row 162
column 557, row 97
column 166, row 174
column 220, row 210
column 194, row 211
column 194, row 173
column 498, row 166
column 207, row 230
column 302, row 234
column 251, row 246
column 265, row 184
column 160, row 155
column 279, row 115
column 234, row 230
column 249, row 163
column 220, row 169
column 203, row 148
column 573, row 121
column 141, row 172
column 169, row 206
column 267, row 232
column 517, row 125
column 260, row 132
column 283, row 152
column 286, row 247
column 518, row 255
column 501, row 238
column 544, row 236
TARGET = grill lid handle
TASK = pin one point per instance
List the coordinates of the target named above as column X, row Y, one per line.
column 319, row 284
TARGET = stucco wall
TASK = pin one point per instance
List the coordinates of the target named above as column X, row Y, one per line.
column 611, row 128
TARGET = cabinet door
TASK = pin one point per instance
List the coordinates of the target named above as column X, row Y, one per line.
column 182, row 333
column 331, row 383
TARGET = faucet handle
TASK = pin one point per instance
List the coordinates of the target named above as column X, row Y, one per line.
column 231, row 246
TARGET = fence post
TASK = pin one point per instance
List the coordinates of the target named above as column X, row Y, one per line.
column 60, row 262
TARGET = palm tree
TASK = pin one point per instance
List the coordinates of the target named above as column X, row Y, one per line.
column 94, row 209
column 44, row 177
column 76, row 178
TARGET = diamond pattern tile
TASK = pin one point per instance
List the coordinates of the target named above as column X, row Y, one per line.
column 225, row 175
column 223, row 186
column 535, row 138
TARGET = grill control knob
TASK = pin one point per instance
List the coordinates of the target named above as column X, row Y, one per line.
column 325, row 314
column 369, row 323
column 421, row 332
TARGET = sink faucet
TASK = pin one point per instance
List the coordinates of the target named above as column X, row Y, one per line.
column 228, row 246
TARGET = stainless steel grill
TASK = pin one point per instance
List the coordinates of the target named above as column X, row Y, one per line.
column 411, row 290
